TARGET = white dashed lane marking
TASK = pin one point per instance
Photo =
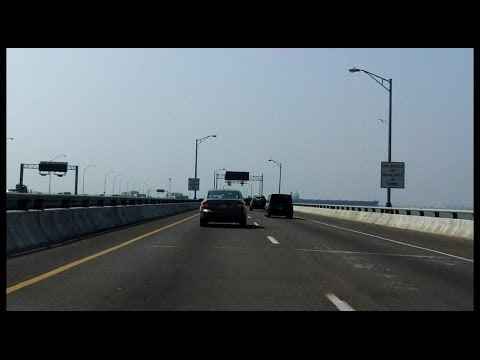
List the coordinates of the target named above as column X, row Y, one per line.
column 272, row 239
column 341, row 305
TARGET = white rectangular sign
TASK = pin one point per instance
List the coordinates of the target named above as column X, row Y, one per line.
column 393, row 175
column 193, row 184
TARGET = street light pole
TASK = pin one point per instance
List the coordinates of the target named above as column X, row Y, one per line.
column 389, row 89
column 133, row 185
column 120, row 185
column 214, row 177
column 84, row 170
column 113, row 189
column 129, row 181
column 198, row 142
column 280, row 178
column 105, row 183
column 50, row 173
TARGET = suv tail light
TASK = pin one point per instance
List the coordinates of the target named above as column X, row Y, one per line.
column 240, row 204
column 205, row 204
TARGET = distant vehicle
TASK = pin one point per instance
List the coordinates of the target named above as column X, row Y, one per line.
column 223, row 206
column 279, row 204
column 21, row 188
column 258, row 202
column 248, row 200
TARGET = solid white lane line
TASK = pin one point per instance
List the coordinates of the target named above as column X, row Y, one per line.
column 255, row 224
column 372, row 253
column 272, row 239
column 341, row 305
column 394, row 241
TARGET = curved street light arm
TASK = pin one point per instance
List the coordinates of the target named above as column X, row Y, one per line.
column 56, row 157
column 276, row 162
column 374, row 77
column 199, row 141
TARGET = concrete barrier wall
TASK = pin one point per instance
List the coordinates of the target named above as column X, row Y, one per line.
column 449, row 227
column 27, row 230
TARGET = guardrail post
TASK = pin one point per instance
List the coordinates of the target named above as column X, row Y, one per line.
column 23, row 204
column 38, row 204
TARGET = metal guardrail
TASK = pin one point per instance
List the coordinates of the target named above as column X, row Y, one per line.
column 18, row 201
column 443, row 213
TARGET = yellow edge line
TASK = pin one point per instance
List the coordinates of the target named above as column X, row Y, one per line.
column 88, row 258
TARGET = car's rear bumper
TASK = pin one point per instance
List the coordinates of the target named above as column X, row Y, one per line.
column 282, row 212
column 223, row 216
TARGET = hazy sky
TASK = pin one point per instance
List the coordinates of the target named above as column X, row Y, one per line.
column 138, row 112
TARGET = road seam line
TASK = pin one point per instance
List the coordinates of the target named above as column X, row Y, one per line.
column 372, row 253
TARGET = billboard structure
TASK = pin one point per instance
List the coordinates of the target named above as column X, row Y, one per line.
column 237, row 175
column 50, row 166
column 45, row 167
column 241, row 177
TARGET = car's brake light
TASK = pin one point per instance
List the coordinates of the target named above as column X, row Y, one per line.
column 240, row 204
column 205, row 204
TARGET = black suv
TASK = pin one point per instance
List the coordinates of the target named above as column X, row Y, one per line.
column 258, row 202
column 279, row 204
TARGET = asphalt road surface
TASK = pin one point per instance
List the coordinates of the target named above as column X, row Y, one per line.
column 308, row 263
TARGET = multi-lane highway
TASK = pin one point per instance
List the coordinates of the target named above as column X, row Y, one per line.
column 306, row 263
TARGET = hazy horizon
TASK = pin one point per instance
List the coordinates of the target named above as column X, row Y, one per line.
column 138, row 112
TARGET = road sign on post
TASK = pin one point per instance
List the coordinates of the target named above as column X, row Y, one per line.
column 193, row 184
column 393, row 175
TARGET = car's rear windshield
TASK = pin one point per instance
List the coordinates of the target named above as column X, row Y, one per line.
column 224, row 195
column 283, row 199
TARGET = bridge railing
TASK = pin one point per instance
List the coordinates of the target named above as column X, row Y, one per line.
column 442, row 213
column 19, row 201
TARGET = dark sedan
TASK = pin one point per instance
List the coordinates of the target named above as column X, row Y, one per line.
column 258, row 202
column 223, row 206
